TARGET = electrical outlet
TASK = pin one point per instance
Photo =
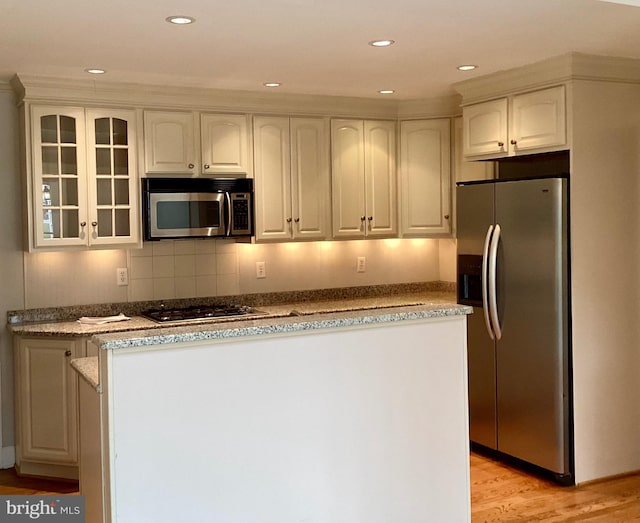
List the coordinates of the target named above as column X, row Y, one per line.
column 361, row 265
column 122, row 276
column 261, row 270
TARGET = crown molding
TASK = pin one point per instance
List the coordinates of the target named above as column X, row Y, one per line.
column 32, row 88
column 555, row 70
column 442, row 107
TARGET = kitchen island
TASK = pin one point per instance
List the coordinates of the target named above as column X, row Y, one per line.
column 343, row 417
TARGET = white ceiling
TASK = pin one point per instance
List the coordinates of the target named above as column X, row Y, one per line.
column 311, row 46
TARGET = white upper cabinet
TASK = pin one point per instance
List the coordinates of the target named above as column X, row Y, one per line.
column 169, row 142
column 291, row 178
column 84, row 182
column 225, row 144
column 364, row 178
column 185, row 143
column 520, row 124
column 425, row 177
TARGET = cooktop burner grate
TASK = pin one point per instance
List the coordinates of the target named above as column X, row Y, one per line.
column 197, row 312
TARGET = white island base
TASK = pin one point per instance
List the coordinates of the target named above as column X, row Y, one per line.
column 365, row 424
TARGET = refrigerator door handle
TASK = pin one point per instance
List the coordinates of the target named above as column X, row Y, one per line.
column 493, row 300
column 485, row 294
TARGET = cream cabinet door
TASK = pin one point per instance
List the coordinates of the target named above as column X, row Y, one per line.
column 380, row 178
column 226, row 144
column 272, row 178
column 347, row 178
column 47, row 411
column 537, row 120
column 169, row 142
column 58, row 177
column 310, row 179
column 112, row 177
column 425, row 177
column 485, row 128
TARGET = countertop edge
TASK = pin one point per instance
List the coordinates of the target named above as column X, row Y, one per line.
column 87, row 368
column 278, row 325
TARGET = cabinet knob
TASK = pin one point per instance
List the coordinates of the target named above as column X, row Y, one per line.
column 297, row 220
column 500, row 144
column 370, row 218
column 288, row 220
column 206, row 166
column 446, row 216
column 67, row 353
column 94, row 224
column 513, row 142
column 83, row 224
column 362, row 218
column 190, row 166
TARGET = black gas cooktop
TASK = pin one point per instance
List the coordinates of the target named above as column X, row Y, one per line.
column 197, row 312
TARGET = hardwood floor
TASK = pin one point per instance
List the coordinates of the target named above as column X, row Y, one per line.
column 499, row 493
column 12, row 484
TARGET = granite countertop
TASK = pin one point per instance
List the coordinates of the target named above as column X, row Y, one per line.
column 88, row 369
column 354, row 310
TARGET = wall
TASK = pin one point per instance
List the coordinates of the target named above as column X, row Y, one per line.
column 11, row 272
column 605, row 217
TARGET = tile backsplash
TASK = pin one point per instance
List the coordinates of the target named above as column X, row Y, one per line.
column 198, row 268
column 183, row 269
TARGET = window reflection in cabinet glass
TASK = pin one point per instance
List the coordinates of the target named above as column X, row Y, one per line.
column 51, row 192
column 103, row 132
column 50, row 160
column 120, row 162
column 122, row 222
column 103, row 161
column 69, row 163
column 119, row 132
column 105, row 227
column 121, row 189
column 67, row 129
column 103, row 191
column 70, row 191
column 70, row 223
column 51, row 222
column 49, row 129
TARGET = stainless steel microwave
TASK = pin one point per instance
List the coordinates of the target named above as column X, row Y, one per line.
column 197, row 207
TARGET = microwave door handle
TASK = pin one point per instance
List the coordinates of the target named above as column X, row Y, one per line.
column 493, row 269
column 485, row 286
column 227, row 197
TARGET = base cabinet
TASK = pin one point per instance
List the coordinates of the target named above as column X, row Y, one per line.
column 46, row 406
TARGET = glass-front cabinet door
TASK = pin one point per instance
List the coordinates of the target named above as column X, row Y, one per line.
column 84, row 177
column 112, row 176
column 59, row 176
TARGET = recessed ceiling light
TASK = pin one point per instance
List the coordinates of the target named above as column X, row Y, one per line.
column 272, row 84
column 95, row 71
column 381, row 43
column 386, row 91
column 467, row 67
column 180, row 20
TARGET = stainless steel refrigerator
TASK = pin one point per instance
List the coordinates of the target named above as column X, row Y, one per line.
column 513, row 267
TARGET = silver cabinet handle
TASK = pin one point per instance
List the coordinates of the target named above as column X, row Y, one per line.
column 493, row 269
column 190, row 166
column 485, row 286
